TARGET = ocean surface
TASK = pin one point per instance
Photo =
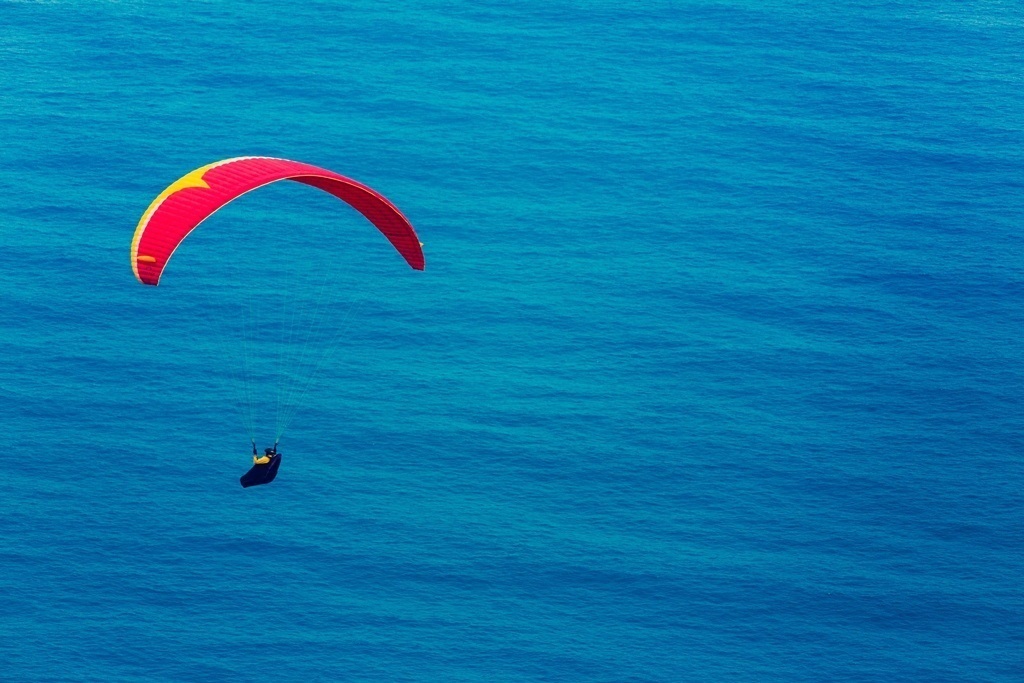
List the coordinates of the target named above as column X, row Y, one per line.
column 714, row 373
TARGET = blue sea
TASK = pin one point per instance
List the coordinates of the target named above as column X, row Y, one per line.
column 714, row 372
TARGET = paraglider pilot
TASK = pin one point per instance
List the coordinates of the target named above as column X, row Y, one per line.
column 264, row 467
column 268, row 455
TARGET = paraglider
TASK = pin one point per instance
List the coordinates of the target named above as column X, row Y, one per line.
column 196, row 196
column 264, row 468
column 185, row 204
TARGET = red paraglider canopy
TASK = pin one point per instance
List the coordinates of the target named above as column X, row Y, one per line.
column 195, row 197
